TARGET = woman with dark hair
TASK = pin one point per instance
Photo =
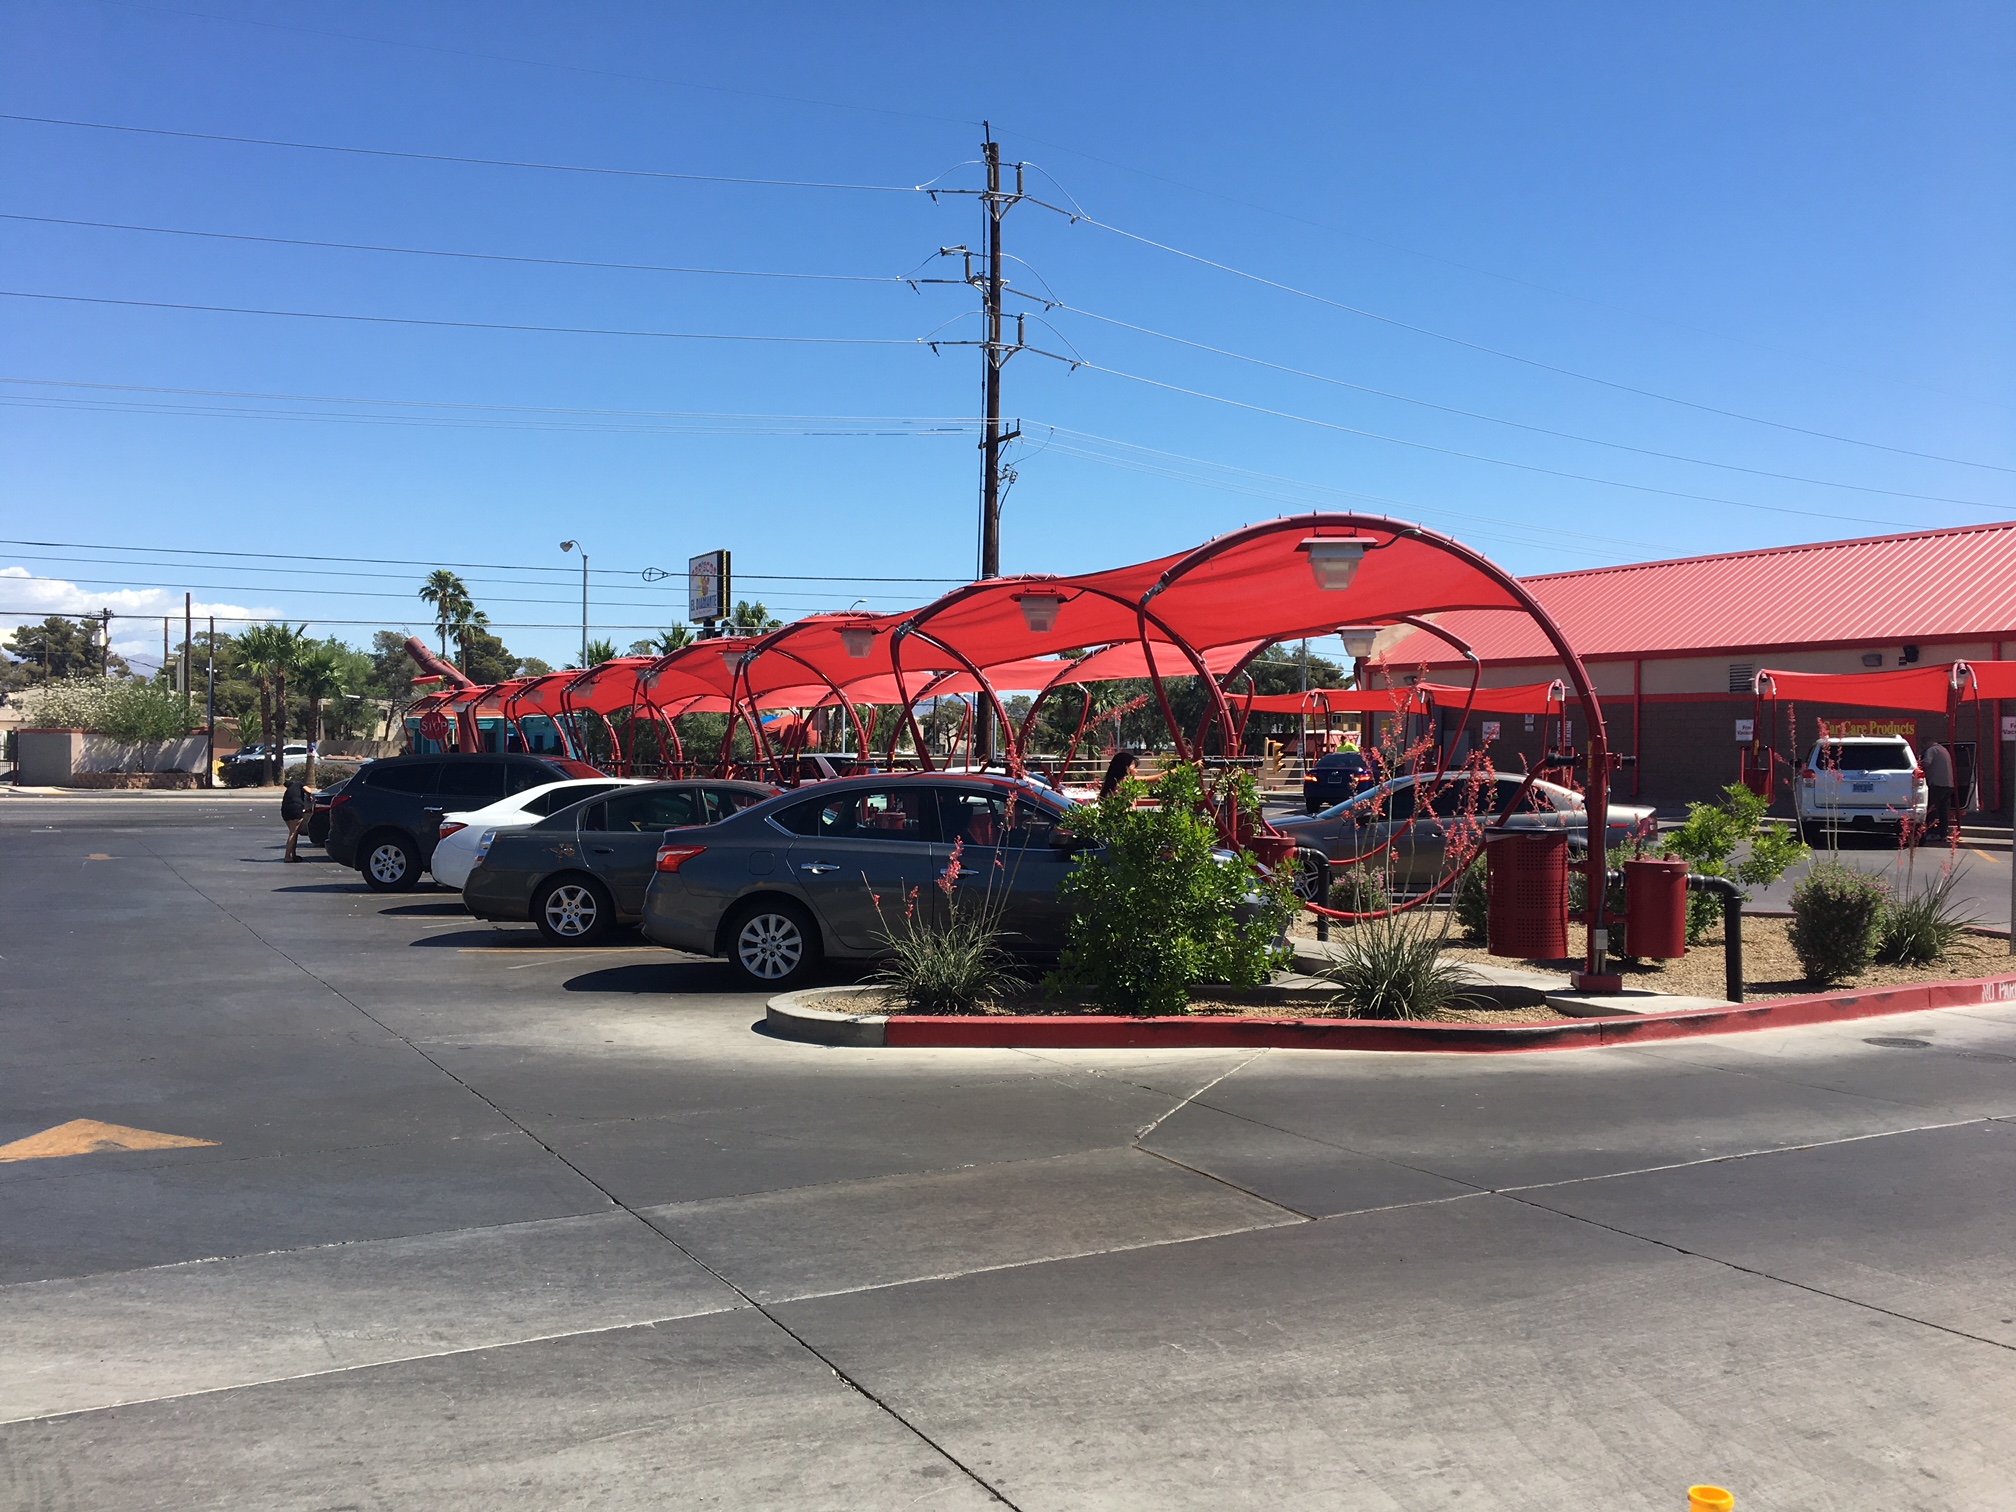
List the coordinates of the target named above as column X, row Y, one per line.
column 1118, row 770
column 295, row 807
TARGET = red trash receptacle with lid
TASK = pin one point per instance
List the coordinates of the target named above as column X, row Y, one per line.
column 1526, row 880
column 1655, row 909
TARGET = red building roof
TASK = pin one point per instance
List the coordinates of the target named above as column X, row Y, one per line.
column 1930, row 585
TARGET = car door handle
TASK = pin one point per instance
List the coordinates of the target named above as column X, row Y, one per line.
column 818, row 868
column 605, row 850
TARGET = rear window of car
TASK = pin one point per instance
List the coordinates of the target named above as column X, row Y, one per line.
column 647, row 811
column 566, row 797
column 472, row 777
column 410, row 777
column 1341, row 761
column 1863, row 756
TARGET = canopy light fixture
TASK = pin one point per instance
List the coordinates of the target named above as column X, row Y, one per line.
column 732, row 657
column 1358, row 639
column 1335, row 559
column 1039, row 611
column 859, row 641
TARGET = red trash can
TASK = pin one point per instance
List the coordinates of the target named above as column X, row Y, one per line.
column 1655, row 909
column 1526, row 881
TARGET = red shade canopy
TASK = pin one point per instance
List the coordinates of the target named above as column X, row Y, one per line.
column 1524, row 698
column 1928, row 690
column 1319, row 701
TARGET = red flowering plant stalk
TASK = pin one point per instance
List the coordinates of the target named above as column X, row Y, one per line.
column 945, row 955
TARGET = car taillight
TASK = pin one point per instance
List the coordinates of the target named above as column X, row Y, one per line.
column 449, row 826
column 1809, row 775
column 672, row 857
column 339, row 800
column 1918, row 775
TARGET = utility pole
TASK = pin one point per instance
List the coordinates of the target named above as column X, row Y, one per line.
column 210, row 711
column 188, row 630
column 994, row 354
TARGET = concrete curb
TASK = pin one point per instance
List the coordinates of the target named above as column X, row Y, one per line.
column 1094, row 1032
column 788, row 1015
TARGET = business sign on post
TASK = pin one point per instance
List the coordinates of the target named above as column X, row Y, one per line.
column 1746, row 731
column 2009, row 726
column 1490, row 730
column 707, row 587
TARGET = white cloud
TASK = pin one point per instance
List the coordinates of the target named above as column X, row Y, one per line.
column 26, row 598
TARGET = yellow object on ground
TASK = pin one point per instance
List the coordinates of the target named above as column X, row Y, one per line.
column 87, row 1136
column 1709, row 1499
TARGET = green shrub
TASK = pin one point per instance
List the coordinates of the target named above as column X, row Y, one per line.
column 1921, row 928
column 1709, row 839
column 949, row 965
column 1359, row 889
column 136, row 712
column 1470, row 901
column 1835, row 913
column 1154, row 911
column 1393, row 968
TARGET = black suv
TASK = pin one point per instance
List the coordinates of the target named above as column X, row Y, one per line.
column 1334, row 778
column 387, row 818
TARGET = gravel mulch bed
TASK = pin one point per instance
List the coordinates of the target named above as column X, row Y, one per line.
column 1310, row 1004
column 1770, row 966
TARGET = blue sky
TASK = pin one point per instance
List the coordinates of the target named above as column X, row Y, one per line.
column 1798, row 214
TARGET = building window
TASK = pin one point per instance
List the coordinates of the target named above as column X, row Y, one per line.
column 1742, row 677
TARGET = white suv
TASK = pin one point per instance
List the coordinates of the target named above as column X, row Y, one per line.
column 1859, row 782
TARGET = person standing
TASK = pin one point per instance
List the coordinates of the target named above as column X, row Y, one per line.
column 1939, row 784
column 295, row 807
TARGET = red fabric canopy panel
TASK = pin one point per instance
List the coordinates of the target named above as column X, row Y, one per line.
column 1320, row 701
column 1522, row 698
column 1928, row 690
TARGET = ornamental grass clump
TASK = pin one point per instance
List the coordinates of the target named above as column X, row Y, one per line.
column 947, row 960
column 1158, row 905
column 1393, row 968
column 1921, row 927
column 1835, row 914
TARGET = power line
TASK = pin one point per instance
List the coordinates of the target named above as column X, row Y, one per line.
column 544, row 262
column 571, row 572
column 1532, row 362
column 442, row 157
column 466, row 325
column 1540, row 430
column 1534, row 467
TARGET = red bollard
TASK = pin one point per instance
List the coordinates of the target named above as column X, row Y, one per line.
column 1655, row 908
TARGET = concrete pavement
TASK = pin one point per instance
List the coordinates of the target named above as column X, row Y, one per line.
column 493, row 1225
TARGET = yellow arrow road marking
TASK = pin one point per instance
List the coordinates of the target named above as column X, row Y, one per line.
column 87, row 1136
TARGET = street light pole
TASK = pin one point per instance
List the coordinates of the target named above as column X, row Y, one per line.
column 577, row 546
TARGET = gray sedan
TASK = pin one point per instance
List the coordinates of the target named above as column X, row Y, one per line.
column 1420, row 830
column 832, row 871
column 583, row 870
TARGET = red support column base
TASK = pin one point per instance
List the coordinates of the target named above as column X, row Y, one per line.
column 1586, row 981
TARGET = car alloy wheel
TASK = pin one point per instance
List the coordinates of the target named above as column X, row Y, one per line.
column 388, row 864
column 572, row 911
column 770, row 946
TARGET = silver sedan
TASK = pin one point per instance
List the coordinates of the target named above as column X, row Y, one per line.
column 1418, row 819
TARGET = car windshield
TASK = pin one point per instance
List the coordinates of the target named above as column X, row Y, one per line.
column 1863, row 756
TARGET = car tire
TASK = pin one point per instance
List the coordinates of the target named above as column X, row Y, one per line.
column 573, row 910
column 390, row 862
column 1312, row 878
column 771, row 944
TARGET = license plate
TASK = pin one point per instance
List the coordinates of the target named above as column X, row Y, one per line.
column 1863, row 787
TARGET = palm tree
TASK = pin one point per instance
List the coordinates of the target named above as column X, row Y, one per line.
column 269, row 653
column 600, row 651
column 468, row 620
column 755, row 616
column 665, row 642
column 318, row 676
column 450, row 597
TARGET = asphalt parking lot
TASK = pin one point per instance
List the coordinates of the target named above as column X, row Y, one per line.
column 480, row 1223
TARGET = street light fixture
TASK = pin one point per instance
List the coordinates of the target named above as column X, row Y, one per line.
column 577, row 546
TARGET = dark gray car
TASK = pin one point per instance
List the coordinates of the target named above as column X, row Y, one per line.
column 579, row 872
column 829, row 871
column 1419, row 832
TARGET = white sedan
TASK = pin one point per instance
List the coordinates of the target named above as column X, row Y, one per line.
column 462, row 834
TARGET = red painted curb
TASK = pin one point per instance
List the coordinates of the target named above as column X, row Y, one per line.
column 1091, row 1032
